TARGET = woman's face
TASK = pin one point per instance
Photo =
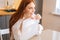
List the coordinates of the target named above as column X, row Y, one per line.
column 30, row 9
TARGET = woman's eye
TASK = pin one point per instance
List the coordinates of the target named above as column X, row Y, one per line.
column 30, row 8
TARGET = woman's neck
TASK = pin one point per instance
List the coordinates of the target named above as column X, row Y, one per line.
column 26, row 16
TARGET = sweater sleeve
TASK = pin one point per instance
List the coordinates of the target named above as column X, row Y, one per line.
column 16, row 30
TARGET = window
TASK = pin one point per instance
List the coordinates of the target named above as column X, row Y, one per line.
column 57, row 6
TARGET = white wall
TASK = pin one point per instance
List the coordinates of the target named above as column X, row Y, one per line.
column 50, row 21
column 2, row 4
column 11, row 4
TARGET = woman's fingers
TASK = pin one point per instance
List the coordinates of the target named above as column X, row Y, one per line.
column 38, row 16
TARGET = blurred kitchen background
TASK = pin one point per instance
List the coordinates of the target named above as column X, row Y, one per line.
column 48, row 9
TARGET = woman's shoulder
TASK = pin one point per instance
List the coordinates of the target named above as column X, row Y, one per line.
column 17, row 24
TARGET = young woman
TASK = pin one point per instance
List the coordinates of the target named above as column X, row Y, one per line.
column 24, row 24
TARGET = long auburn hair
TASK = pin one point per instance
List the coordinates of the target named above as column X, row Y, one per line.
column 18, row 14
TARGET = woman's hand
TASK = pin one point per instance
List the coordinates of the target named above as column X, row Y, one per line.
column 38, row 17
